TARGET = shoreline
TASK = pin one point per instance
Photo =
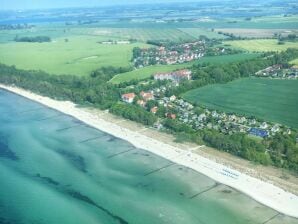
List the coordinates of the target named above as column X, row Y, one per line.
column 263, row 192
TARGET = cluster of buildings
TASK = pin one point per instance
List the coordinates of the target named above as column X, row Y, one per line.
column 142, row 99
column 176, row 54
column 200, row 119
column 223, row 122
column 176, row 76
column 277, row 71
column 115, row 42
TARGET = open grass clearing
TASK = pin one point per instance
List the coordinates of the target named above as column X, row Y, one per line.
column 294, row 62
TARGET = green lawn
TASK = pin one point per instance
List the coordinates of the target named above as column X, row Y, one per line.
column 261, row 45
column 270, row 99
column 147, row 72
column 79, row 56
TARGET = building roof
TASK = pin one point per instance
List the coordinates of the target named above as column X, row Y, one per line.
column 146, row 95
column 129, row 95
column 181, row 73
column 258, row 132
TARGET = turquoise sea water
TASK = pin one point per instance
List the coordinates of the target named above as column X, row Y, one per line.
column 56, row 170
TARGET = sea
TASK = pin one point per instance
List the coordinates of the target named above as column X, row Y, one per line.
column 54, row 169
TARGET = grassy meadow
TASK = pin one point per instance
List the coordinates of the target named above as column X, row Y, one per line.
column 79, row 56
column 261, row 45
column 147, row 72
column 269, row 99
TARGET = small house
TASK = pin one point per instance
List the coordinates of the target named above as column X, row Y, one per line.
column 128, row 97
column 147, row 96
column 154, row 110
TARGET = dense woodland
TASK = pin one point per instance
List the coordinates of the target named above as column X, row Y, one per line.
column 95, row 90
column 37, row 39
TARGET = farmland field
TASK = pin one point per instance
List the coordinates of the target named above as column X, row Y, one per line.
column 196, row 32
column 257, row 33
column 140, row 34
column 261, row 45
column 270, row 99
column 146, row 72
column 79, row 56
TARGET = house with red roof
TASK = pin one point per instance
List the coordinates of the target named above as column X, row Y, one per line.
column 128, row 97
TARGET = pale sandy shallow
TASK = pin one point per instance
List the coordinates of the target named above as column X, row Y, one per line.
column 263, row 192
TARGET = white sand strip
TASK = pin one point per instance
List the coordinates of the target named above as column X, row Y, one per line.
column 263, row 192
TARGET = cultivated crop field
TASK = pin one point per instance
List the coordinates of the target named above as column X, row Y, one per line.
column 79, row 56
column 147, row 72
column 141, row 34
column 257, row 33
column 269, row 99
column 197, row 32
column 261, row 45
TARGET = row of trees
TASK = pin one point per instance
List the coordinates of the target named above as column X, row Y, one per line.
column 92, row 91
column 38, row 39
column 82, row 90
column 134, row 113
column 279, row 150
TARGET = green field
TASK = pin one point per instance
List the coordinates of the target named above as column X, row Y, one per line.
column 79, row 56
column 197, row 32
column 141, row 34
column 294, row 62
column 261, row 45
column 146, row 72
column 270, row 99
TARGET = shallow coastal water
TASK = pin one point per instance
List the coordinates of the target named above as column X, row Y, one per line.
column 55, row 169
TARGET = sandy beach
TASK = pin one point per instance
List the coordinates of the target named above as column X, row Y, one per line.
column 264, row 192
